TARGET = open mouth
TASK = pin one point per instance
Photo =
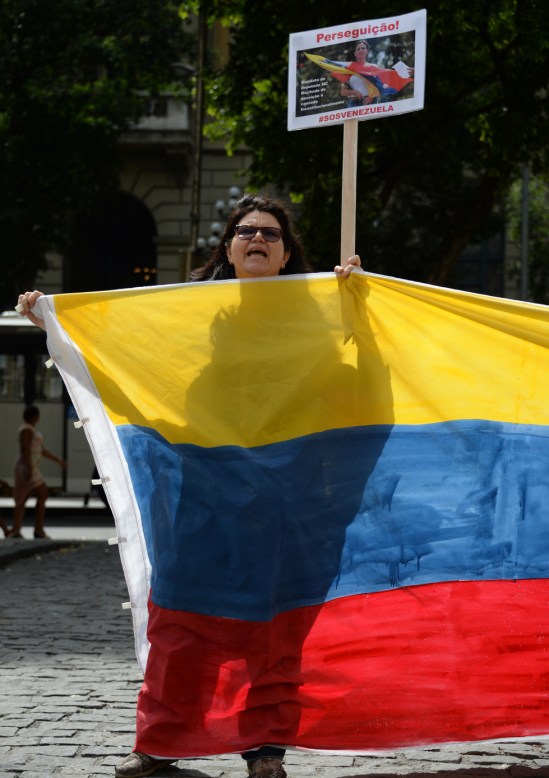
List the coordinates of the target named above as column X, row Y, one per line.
column 256, row 252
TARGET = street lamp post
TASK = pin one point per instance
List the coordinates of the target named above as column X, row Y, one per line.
column 223, row 210
column 524, row 234
column 187, row 257
column 202, row 247
column 199, row 127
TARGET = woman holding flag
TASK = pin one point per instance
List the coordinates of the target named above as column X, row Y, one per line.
column 258, row 242
column 357, row 89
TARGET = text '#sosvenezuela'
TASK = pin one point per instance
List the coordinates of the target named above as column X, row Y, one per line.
column 355, row 113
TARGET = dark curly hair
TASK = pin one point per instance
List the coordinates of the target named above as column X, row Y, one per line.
column 30, row 413
column 218, row 267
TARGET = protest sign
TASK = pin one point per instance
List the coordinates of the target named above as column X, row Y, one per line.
column 354, row 72
column 362, row 70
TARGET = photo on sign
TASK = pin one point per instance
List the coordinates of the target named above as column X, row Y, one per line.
column 355, row 73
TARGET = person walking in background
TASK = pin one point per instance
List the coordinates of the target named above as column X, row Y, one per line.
column 28, row 480
column 5, row 488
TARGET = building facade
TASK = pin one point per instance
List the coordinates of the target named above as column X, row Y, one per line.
column 143, row 237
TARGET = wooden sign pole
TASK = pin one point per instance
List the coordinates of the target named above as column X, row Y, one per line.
column 348, row 190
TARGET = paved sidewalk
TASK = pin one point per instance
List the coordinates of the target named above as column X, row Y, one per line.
column 69, row 681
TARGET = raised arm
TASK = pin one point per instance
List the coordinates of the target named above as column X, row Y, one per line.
column 25, row 305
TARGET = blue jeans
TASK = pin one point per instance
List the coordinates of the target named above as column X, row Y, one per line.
column 264, row 751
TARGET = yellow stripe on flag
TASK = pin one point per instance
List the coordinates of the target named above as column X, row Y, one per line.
column 265, row 361
column 451, row 354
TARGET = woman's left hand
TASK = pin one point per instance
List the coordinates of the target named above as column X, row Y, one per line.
column 345, row 270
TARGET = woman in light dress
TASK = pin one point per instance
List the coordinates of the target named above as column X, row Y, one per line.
column 28, row 480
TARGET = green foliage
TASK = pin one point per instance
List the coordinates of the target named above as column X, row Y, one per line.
column 429, row 183
column 71, row 73
column 538, row 233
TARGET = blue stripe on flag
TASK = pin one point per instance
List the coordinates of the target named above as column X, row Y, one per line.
column 355, row 510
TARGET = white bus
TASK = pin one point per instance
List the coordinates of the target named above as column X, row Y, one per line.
column 25, row 380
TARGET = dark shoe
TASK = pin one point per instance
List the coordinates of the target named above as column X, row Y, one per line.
column 40, row 534
column 268, row 767
column 11, row 534
column 137, row 764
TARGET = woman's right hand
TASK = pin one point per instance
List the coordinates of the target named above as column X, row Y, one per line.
column 26, row 303
column 345, row 270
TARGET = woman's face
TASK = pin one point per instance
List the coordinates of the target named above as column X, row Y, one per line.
column 361, row 52
column 257, row 257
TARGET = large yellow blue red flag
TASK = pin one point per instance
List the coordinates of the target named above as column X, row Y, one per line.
column 332, row 503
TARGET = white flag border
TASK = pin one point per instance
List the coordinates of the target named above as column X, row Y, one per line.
column 111, row 463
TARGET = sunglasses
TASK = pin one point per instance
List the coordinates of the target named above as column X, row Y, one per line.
column 249, row 231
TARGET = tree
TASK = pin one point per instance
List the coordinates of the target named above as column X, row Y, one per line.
column 72, row 73
column 429, row 183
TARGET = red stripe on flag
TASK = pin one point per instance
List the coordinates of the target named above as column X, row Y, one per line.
column 426, row 664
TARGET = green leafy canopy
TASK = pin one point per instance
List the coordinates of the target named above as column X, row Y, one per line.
column 429, row 183
column 71, row 77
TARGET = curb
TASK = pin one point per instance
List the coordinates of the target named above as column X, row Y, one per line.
column 16, row 548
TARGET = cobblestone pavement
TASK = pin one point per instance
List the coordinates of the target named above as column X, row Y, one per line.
column 69, row 681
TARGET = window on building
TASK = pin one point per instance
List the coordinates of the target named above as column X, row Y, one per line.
column 24, row 378
column 12, row 377
column 48, row 383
